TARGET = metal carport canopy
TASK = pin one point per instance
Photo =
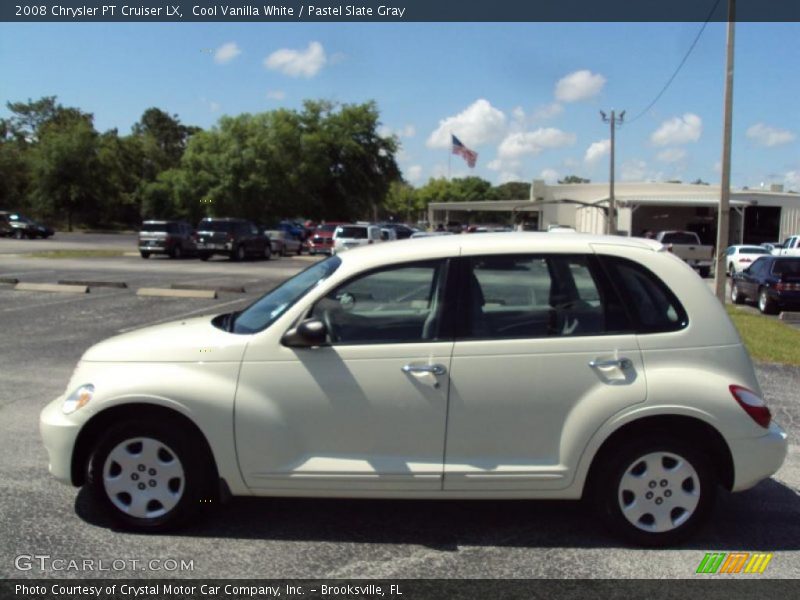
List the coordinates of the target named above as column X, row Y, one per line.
column 712, row 200
column 488, row 205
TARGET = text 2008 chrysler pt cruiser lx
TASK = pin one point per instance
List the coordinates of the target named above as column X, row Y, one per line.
column 494, row 366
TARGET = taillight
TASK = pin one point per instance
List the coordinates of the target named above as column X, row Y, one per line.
column 787, row 287
column 745, row 260
column 752, row 404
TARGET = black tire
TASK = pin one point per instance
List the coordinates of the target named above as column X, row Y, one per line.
column 299, row 249
column 285, row 251
column 736, row 295
column 239, row 253
column 766, row 304
column 267, row 252
column 731, row 270
column 704, row 272
column 610, row 493
column 19, row 234
column 145, row 254
column 204, row 255
column 176, row 252
column 184, row 478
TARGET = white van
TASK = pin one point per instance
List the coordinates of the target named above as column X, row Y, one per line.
column 352, row 236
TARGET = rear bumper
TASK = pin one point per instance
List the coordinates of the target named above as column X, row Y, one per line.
column 756, row 459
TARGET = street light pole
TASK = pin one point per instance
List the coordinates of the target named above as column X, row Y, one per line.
column 724, row 213
column 614, row 122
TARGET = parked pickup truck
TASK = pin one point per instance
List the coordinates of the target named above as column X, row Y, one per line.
column 789, row 247
column 686, row 246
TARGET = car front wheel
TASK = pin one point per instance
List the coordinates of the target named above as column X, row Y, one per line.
column 147, row 476
column 656, row 492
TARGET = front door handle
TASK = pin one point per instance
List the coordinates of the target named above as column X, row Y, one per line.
column 433, row 369
column 620, row 363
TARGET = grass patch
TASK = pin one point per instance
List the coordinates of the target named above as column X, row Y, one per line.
column 767, row 339
column 77, row 254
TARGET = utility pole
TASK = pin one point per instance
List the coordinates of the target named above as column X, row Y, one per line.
column 724, row 213
column 611, row 220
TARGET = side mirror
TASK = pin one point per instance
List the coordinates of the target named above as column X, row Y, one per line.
column 309, row 333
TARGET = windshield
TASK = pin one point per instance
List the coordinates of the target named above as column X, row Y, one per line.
column 266, row 310
column 327, row 227
column 353, row 233
column 223, row 226
column 753, row 250
column 679, row 237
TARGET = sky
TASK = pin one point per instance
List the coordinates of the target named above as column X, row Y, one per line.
column 526, row 96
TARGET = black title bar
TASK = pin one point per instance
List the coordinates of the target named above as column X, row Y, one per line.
column 397, row 11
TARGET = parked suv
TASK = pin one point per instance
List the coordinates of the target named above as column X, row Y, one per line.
column 235, row 238
column 508, row 365
column 173, row 238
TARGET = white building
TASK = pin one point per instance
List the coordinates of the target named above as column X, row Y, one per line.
column 756, row 215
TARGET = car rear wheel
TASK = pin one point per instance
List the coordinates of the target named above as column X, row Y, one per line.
column 204, row 255
column 177, row 252
column 736, row 295
column 766, row 304
column 19, row 234
column 656, row 492
column 147, row 476
column 145, row 254
column 267, row 252
column 285, row 250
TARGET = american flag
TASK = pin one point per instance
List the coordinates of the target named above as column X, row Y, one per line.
column 461, row 150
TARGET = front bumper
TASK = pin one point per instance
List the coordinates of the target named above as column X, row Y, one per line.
column 59, row 434
column 756, row 459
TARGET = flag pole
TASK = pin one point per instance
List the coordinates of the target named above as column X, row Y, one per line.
column 450, row 157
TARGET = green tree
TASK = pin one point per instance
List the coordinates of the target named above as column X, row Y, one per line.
column 64, row 168
column 573, row 179
column 513, row 190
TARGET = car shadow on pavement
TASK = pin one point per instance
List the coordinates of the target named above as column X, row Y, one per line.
column 763, row 518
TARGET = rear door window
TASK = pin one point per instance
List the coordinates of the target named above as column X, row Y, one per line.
column 533, row 296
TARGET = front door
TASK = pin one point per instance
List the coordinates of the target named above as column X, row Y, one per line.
column 543, row 357
column 366, row 412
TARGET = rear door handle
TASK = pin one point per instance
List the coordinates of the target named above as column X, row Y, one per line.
column 433, row 369
column 620, row 363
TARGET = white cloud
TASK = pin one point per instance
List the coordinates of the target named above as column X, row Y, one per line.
column 549, row 175
column 596, row 151
column 499, row 164
column 518, row 113
column 414, row 173
column 548, row 111
column 533, row 142
column 226, row 53
column 478, row 124
column 407, row 131
column 634, row 170
column 580, row 85
column 678, row 130
column 507, row 176
column 764, row 135
column 276, row 95
column 671, row 155
column 298, row 63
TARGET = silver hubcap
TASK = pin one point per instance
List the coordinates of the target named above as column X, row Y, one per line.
column 762, row 301
column 143, row 478
column 735, row 293
column 659, row 492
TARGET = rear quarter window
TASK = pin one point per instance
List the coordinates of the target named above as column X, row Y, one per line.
column 653, row 307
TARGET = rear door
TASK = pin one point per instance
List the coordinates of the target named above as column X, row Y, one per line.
column 544, row 354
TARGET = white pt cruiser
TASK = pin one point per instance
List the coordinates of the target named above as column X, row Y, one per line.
column 510, row 365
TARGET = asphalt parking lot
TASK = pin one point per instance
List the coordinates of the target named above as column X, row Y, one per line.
column 42, row 336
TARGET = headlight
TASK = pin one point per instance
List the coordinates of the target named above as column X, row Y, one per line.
column 78, row 399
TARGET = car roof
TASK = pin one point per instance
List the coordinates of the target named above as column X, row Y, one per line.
column 490, row 243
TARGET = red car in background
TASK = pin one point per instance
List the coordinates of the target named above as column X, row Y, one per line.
column 321, row 239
